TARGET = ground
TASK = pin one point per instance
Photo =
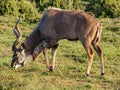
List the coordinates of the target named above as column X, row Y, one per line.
column 71, row 62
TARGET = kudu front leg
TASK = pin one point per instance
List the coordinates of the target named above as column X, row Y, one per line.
column 45, row 52
column 54, row 49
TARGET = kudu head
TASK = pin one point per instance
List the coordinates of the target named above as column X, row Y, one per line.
column 18, row 53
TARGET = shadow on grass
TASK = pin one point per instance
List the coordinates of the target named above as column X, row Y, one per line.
column 45, row 73
column 76, row 58
column 32, row 69
column 6, row 64
column 114, row 29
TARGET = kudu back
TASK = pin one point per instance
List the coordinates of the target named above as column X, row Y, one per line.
column 55, row 25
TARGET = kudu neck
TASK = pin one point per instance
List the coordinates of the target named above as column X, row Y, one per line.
column 33, row 41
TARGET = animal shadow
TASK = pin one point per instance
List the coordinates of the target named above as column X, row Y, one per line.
column 75, row 58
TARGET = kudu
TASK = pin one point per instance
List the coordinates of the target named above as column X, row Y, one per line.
column 57, row 24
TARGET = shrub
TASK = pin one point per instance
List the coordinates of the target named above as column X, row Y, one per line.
column 104, row 8
column 19, row 7
column 28, row 10
column 64, row 4
column 67, row 4
column 8, row 7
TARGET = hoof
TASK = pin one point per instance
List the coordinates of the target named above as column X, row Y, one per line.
column 51, row 68
column 102, row 74
column 86, row 75
column 22, row 64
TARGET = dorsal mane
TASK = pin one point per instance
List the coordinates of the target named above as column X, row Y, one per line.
column 91, row 14
column 54, row 8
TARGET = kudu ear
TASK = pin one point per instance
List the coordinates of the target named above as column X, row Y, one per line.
column 24, row 45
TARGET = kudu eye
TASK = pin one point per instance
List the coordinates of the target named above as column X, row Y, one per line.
column 15, row 55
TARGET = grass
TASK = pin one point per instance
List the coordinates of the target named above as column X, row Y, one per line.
column 71, row 62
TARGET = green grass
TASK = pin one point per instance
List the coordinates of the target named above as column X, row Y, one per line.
column 71, row 62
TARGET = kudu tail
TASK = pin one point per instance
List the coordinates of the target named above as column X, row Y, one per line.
column 97, row 37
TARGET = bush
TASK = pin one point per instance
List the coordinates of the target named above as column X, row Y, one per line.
column 28, row 10
column 8, row 7
column 104, row 8
column 19, row 7
column 112, row 8
column 67, row 4
column 63, row 4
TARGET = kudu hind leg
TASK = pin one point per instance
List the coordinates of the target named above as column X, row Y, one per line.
column 90, row 54
column 100, row 54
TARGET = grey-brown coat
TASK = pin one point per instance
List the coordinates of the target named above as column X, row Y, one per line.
column 57, row 24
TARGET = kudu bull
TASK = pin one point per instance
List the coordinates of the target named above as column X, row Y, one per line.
column 55, row 25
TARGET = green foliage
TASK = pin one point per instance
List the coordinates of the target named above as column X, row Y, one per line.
column 63, row 4
column 104, row 8
column 113, row 7
column 19, row 7
column 28, row 10
column 9, row 7
column 44, row 4
column 67, row 4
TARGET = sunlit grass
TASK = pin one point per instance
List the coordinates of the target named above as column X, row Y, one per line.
column 71, row 62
